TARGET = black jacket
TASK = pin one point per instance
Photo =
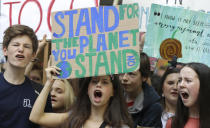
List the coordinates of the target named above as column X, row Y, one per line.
column 150, row 115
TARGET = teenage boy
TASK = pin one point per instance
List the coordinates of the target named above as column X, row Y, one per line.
column 142, row 100
column 17, row 92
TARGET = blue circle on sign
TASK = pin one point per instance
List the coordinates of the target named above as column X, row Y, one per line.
column 65, row 69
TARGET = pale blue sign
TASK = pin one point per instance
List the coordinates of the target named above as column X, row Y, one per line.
column 181, row 32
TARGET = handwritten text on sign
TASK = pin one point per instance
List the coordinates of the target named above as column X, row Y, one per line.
column 178, row 28
column 145, row 5
column 36, row 13
column 96, row 41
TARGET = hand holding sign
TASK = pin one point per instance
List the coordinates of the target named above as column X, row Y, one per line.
column 52, row 72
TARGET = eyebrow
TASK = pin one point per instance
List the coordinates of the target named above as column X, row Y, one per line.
column 14, row 42
column 27, row 44
column 19, row 42
column 188, row 78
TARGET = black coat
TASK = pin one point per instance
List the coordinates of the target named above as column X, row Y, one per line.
column 150, row 115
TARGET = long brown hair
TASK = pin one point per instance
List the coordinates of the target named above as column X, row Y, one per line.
column 115, row 115
column 182, row 112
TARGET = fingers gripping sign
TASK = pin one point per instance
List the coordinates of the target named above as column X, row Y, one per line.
column 52, row 72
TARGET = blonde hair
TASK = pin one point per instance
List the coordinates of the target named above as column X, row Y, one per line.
column 69, row 95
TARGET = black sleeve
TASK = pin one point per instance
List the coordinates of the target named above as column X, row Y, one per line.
column 152, row 116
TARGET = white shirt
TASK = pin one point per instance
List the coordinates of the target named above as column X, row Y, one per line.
column 164, row 118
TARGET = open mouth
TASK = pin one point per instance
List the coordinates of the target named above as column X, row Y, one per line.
column 20, row 56
column 97, row 94
column 184, row 95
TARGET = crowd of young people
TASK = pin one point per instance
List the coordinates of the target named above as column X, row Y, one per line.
column 125, row 100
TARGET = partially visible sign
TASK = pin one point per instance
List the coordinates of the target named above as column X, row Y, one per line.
column 96, row 41
column 36, row 13
column 145, row 5
column 178, row 32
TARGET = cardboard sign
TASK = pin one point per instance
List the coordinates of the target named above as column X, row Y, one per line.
column 96, row 41
column 178, row 32
column 36, row 13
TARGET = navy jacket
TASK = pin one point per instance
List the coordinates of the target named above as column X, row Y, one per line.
column 150, row 115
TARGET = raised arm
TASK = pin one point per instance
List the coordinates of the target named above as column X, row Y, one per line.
column 38, row 115
column 42, row 44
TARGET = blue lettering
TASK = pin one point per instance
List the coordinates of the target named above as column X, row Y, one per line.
column 82, row 45
column 71, row 21
column 57, row 15
column 83, row 13
column 131, row 60
column 106, row 18
column 69, row 54
column 55, row 54
column 97, row 18
column 63, row 54
column 101, row 42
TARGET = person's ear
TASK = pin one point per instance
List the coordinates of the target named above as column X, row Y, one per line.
column 5, row 51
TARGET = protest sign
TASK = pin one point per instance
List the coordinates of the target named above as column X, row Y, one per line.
column 96, row 41
column 178, row 32
column 145, row 5
column 36, row 13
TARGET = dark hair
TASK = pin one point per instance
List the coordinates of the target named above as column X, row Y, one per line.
column 182, row 112
column 109, row 2
column 144, row 65
column 155, row 80
column 39, row 68
column 168, row 71
column 20, row 30
column 115, row 115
